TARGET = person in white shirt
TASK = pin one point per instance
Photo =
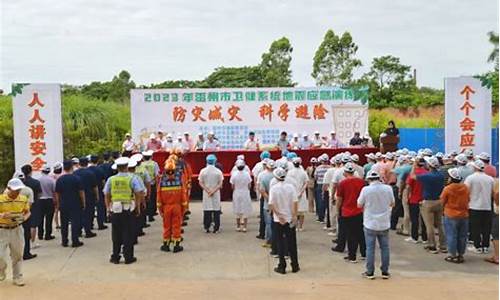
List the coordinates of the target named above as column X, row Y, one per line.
column 300, row 176
column 188, row 142
column 333, row 142
column 294, row 142
column 306, row 143
column 128, row 146
column 242, row 203
column 360, row 172
column 179, row 144
column 168, row 143
column 336, row 164
column 210, row 180
column 379, row 162
column 377, row 200
column 481, row 190
column 368, row 139
column 283, row 203
column 317, row 141
column 251, row 143
column 211, row 144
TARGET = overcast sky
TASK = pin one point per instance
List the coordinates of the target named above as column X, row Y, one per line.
column 78, row 41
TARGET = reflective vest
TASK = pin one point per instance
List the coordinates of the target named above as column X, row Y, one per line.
column 121, row 190
column 171, row 183
column 149, row 166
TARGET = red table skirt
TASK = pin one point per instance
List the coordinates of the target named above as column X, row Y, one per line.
column 227, row 159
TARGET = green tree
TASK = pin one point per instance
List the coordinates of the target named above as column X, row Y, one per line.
column 390, row 83
column 275, row 65
column 248, row 76
column 334, row 61
column 116, row 90
column 493, row 38
column 119, row 88
column 490, row 79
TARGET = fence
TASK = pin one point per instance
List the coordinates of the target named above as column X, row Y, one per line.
column 433, row 138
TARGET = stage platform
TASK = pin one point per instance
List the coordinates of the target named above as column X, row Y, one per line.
column 227, row 158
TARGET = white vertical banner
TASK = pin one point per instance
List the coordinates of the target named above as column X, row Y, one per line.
column 37, row 125
column 467, row 115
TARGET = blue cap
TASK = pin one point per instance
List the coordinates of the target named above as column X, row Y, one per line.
column 211, row 159
column 291, row 155
column 284, row 153
column 67, row 163
column 265, row 154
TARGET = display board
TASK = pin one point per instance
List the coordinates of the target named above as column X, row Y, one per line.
column 231, row 113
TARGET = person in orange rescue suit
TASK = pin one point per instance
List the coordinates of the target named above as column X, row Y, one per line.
column 170, row 199
column 185, row 168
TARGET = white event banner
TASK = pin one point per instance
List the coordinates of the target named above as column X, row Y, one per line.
column 231, row 113
column 467, row 115
column 37, row 125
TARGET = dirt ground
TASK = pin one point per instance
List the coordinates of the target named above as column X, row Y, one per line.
column 233, row 265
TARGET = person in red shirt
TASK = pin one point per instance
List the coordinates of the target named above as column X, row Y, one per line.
column 153, row 143
column 414, row 194
column 347, row 196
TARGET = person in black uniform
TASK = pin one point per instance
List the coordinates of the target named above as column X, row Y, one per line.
column 33, row 222
column 100, row 206
column 70, row 200
column 356, row 139
column 89, row 182
column 391, row 129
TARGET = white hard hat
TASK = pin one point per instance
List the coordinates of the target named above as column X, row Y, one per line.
column 271, row 164
column 240, row 163
column 279, row 173
column 15, row 184
column 132, row 163
column 136, row 157
column 455, row 173
column 152, row 136
column 432, row 161
column 147, row 153
column 372, row 175
column 478, row 164
column 313, row 160
column 349, row 168
column 355, row 157
column 461, row 159
column 122, row 161
column 483, row 156
column 297, row 160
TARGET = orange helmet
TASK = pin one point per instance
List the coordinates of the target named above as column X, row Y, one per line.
column 169, row 165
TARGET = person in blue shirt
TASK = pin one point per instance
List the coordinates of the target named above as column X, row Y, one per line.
column 100, row 177
column 70, row 200
column 432, row 209
column 89, row 182
column 402, row 171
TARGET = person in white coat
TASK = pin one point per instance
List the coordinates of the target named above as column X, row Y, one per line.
column 241, row 183
column 300, row 176
column 246, row 168
column 210, row 180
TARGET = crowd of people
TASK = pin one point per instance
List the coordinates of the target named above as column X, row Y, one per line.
column 444, row 201
column 166, row 142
